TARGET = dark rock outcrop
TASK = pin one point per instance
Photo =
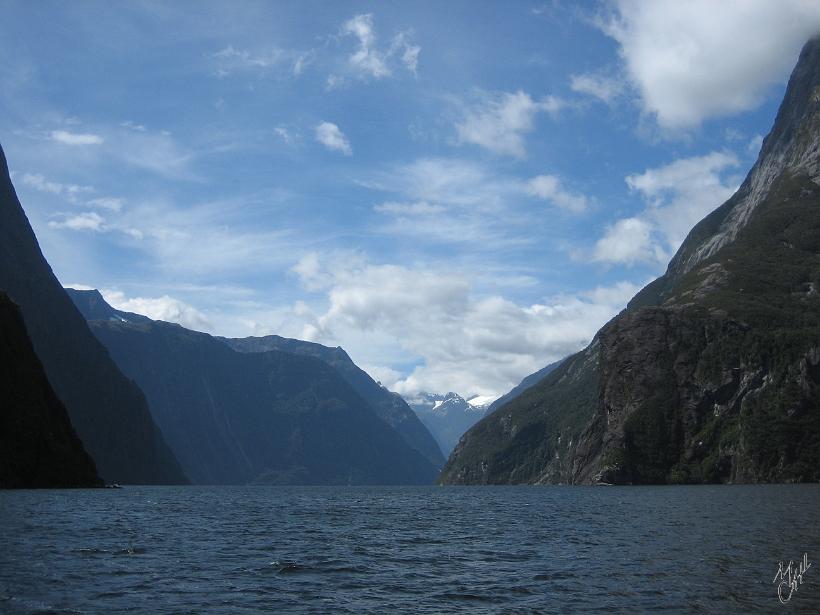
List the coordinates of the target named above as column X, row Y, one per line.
column 38, row 446
column 712, row 373
column 108, row 411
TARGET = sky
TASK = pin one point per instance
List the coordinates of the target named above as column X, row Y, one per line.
column 457, row 193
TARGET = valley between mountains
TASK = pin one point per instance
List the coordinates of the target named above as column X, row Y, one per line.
column 710, row 375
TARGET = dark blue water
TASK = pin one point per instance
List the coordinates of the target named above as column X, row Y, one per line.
column 414, row 550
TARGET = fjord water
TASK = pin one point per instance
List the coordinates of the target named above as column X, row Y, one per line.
column 406, row 549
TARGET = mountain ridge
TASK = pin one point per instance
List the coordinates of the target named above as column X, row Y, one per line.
column 261, row 417
column 389, row 406
column 712, row 372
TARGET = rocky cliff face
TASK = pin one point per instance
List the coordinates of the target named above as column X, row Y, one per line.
column 712, row 374
column 38, row 446
column 108, row 411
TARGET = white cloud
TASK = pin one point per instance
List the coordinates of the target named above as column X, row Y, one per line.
column 73, row 138
column 284, row 134
column 598, row 86
column 681, row 193
column 110, row 203
column 549, row 187
column 39, row 182
column 474, row 345
column 302, row 61
column 230, row 59
column 499, row 122
column 329, row 135
column 157, row 152
column 677, row 196
column 86, row 221
column 367, row 59
column 159, row 308
column 452, row 201
column 334, row 82
column 627, row 241
column 419, row 208
column 205, row 239
column 409, row 53
column 410, row 57
column 131, row 125
column 699, row 59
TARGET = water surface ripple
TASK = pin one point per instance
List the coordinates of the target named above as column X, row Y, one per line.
column 709, row 549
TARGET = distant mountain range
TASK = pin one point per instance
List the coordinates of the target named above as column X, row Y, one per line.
column 712, row 373
column 279, row 412
column 446, row 416
column 107, row 410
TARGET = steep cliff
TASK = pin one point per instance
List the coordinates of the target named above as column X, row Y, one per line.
column 38, row 446
column 108, row 411
column 712, row 373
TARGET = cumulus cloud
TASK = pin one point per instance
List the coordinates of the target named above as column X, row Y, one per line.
column 499, row 122
column 699, row 59
column 329, row 135
column 73, row 138
column 628, row 241
column 677, row 196
column 164, row 308
column 548, row 187
column 476, row 345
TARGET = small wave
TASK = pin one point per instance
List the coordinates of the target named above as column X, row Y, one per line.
column 92, row 551
column 286, row 567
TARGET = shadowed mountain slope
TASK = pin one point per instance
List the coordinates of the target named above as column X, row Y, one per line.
column 108, row 411
column 389, row 406
column 38, row 446
column 262, row 417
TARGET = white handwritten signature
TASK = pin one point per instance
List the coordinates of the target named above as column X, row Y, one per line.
column 790, row 577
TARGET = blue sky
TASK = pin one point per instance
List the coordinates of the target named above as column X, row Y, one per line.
column 457, row 193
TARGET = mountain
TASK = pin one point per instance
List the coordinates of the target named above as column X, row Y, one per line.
column 108, row 411
column 38, row 446
column 527, row 383
column 389, row 406
column 712, row 373
column 264, row 417
column 446, row 416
